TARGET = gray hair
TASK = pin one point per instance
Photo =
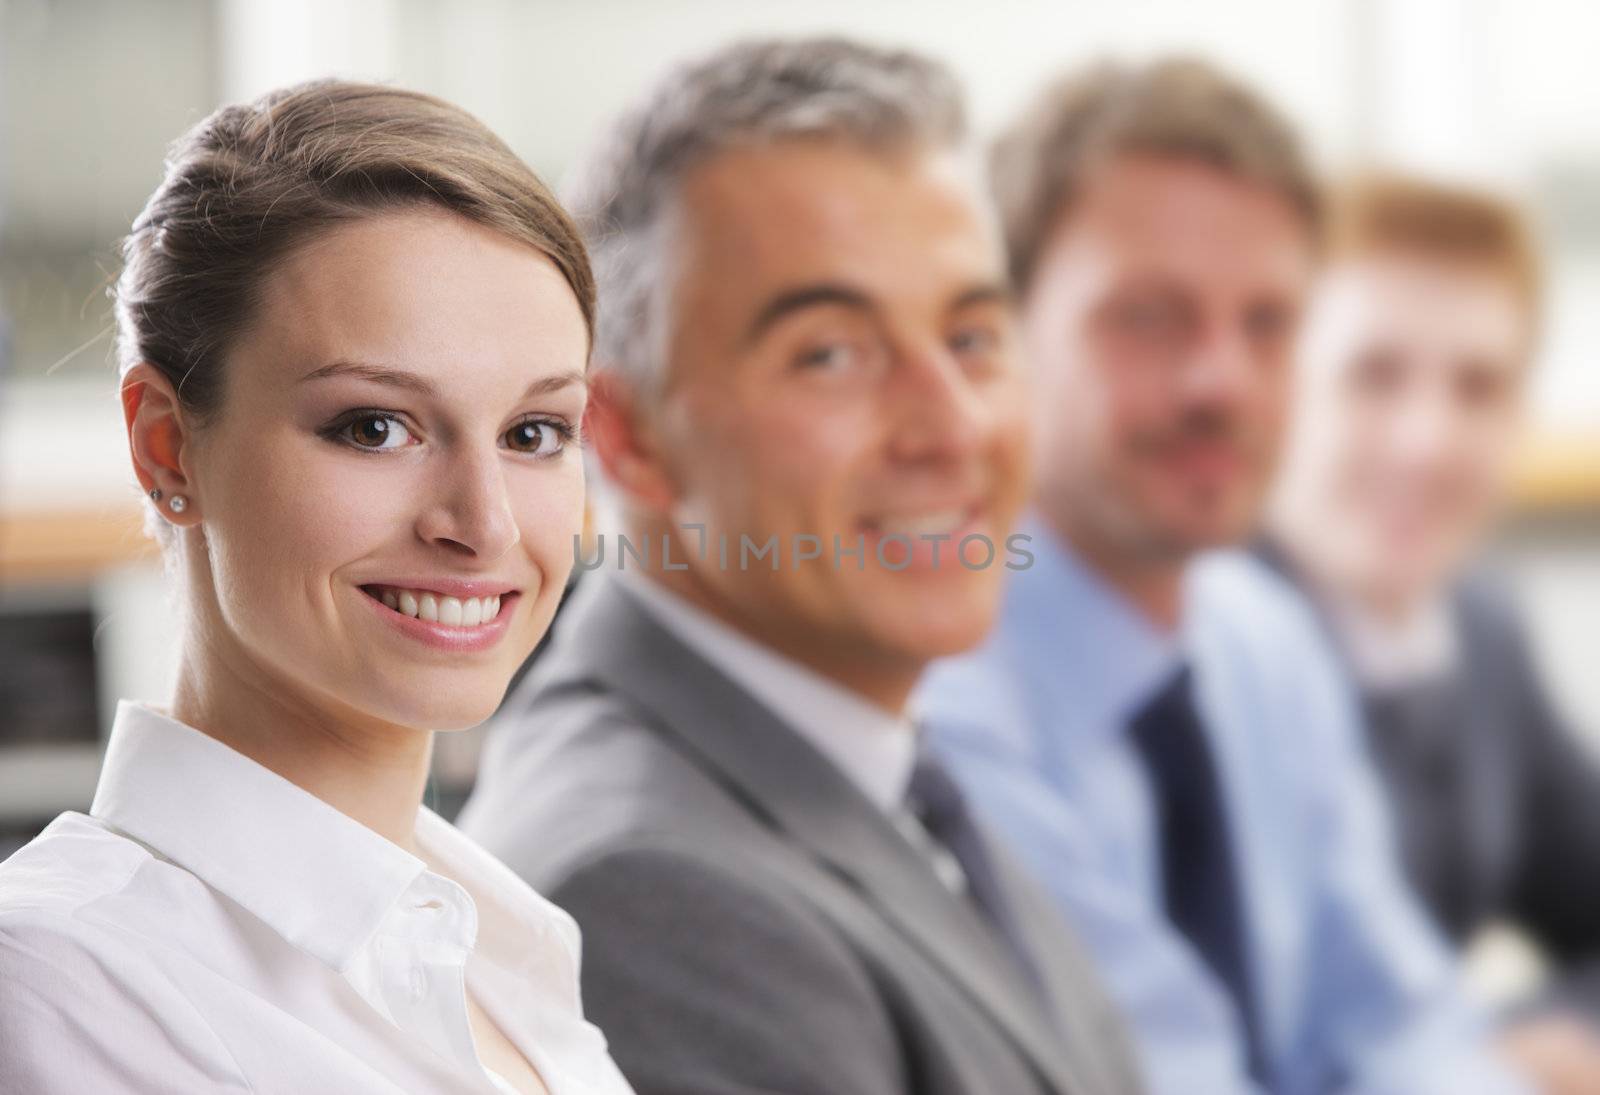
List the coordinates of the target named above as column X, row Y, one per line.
column 747, row 94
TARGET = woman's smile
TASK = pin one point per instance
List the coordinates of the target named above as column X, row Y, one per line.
column 453, row 614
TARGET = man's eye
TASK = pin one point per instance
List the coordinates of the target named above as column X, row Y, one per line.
column 1268, row 323
column 377, row 431
column 537, row 438
column 1379, row 373
column 831, row 355
column 1481, row 385
column 974, row 340
column 1145, row 318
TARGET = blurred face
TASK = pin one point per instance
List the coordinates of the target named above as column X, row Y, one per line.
column 842, row 366
column 1159, row 326
column 390, row 489
column 1413, row 378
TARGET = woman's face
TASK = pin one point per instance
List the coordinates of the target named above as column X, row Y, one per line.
column 387, row 498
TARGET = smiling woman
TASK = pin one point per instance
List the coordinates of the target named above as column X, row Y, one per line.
column 354, row 329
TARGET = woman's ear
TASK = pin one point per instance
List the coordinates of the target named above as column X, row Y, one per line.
column 156, row 440
column 626, row 447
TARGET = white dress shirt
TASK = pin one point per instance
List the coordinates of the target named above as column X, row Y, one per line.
column 1392, row 654
column 875, row 748
column 210, row 926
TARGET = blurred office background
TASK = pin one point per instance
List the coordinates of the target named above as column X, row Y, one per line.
column 91, row 91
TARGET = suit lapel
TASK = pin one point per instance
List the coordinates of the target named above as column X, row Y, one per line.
column 792, row 788
column 1089, row 1027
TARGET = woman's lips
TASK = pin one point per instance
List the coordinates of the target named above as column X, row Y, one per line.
column 432, row 606
column 444, row 622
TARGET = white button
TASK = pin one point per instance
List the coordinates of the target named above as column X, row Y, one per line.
column 419, row 984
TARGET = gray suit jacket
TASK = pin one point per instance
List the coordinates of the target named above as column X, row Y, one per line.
column 752, row 923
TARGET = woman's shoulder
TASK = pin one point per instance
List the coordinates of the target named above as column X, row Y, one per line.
column 86, row 1000
column 75, row 861
column 59, row 898
column 82, row 902
column 49, row 885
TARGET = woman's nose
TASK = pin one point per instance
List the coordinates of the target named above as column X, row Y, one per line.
column 470, row 510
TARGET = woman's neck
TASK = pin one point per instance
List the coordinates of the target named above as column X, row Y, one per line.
column 373, row 772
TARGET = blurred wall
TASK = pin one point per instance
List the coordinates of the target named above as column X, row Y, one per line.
column 92, row 90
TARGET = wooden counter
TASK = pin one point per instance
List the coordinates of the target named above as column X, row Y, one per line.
column 69, row 546
column 1559, row 471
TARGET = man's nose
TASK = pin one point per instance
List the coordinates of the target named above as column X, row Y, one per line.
column 1222, row 369
column 941, row 409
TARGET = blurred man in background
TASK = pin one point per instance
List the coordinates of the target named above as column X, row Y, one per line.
column 1415, row 363
column 1170, row 743
column 806, row 347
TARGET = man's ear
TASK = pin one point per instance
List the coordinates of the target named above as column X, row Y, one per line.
column 156, row 440
column 627, row 447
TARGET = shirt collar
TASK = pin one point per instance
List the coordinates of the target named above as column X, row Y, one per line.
column 875, row 748
column 318, row 878
column 1112, row 660
column 508, row 912
column 1388, row 655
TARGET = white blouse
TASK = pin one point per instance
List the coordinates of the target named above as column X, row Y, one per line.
column 209, row 926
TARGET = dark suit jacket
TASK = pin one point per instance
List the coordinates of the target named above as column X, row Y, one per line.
column 1496, row 803
column 752, row 923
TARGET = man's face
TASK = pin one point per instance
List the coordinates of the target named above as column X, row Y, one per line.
column 1414, row 370
column 842, row 366
column 1159, row 325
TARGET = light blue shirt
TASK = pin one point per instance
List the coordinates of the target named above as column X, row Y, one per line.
column 1356, row 991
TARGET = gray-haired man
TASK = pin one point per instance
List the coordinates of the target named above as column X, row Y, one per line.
column 808, row 405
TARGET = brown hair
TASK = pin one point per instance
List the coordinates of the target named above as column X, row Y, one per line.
column 1391, row 213
column 251, row 182
column 1176, row 107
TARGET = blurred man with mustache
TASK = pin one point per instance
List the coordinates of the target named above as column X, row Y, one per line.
column 1166, row 738
column 807, row 385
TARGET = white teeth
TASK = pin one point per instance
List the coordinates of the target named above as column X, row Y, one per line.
column 450, row 611
column 942, row 523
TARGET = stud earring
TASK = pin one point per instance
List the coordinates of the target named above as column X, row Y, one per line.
column 155, row 494
column 178, row 503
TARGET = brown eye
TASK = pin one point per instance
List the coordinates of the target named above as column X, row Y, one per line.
column 377, row 431
column 535, row 437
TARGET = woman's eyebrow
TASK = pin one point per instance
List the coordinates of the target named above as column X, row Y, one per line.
column 416, row 382
column 377, row 374
column 555, row 382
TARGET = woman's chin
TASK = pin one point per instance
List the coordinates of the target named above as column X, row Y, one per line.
column 446, row 709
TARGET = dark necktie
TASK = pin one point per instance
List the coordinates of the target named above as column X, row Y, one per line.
column 941, row 807
column 1199, row 872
